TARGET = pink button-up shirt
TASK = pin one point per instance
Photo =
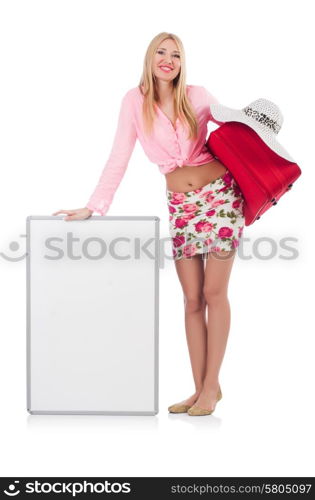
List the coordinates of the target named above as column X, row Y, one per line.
column 168, row 147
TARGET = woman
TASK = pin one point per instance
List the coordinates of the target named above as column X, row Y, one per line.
column 206, row 206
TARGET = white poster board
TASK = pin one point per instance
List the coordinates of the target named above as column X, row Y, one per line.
column 92, row 315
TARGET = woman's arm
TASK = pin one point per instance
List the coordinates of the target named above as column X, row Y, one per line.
column 116, row 165
column 210, row 99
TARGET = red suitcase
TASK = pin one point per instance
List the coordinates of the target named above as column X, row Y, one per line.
column 262, row 175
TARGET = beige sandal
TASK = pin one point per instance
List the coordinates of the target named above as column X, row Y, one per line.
column 197, row 411
column 178, row 408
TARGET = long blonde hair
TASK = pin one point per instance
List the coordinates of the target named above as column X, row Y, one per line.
column 148, row 88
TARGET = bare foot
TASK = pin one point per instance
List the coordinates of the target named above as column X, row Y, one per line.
column 208, row 397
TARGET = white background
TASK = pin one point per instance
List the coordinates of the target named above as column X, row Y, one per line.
column 64, row 68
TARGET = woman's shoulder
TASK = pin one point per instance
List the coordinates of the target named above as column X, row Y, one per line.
column 130, row 97
column 133, row 94
column 196, row 88
column 136, row 91
column 204, row 94
column 196, row 91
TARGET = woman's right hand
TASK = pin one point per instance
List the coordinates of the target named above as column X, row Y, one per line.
column 76, row 213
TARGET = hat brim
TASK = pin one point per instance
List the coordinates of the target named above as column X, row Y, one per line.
column 225, row 114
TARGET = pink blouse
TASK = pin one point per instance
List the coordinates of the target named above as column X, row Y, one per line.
column 168, row 147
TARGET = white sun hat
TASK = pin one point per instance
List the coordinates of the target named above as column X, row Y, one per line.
column 261, row 115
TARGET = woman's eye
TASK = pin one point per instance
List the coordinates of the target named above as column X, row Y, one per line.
column 161, row 52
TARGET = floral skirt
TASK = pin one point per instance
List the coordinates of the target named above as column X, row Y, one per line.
column 208, row 219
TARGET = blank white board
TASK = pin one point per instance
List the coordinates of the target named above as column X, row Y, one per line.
column 92, row 315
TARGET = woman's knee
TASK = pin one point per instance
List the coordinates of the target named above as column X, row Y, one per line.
column 194, row 303
column 213, row 294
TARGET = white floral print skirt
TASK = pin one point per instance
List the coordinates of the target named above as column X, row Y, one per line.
column 208, row 219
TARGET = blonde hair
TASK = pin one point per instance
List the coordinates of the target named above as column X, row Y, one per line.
column 147, row 86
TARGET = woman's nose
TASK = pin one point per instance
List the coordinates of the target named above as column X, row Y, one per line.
column 168, row 60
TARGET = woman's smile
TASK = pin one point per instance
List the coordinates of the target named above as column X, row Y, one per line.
column 166, row 69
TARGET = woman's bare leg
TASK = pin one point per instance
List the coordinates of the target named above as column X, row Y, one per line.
column 217, row 273
column 191, row 276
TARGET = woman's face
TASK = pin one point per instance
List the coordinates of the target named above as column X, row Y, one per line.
column 166, row 62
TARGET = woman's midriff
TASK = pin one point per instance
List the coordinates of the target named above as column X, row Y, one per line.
column 188, row 177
